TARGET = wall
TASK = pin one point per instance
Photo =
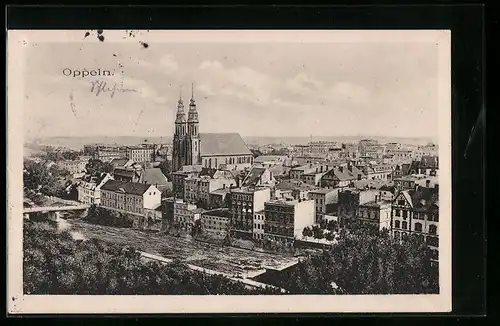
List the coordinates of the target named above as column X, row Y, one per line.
column 260, row 197
column 304, row 216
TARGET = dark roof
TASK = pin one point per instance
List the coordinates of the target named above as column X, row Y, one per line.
column 119, row 161
column 124, row 172
column 342, row 174
column 220, row 212
column 295, row 185
column 405, row 168
column 223, row 144
column 222, row 192
column 253, row 176
column 277, row 169
column 154, row 176
column 207, row 172
column 126, row 187
column 429, row 162
column 424, row 197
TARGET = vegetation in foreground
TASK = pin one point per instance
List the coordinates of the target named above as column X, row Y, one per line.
column 366, row 261
column 55, row 263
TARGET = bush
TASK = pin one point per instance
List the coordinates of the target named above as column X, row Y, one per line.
column 56, row 264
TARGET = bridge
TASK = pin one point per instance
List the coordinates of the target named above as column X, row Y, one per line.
column 54, row 212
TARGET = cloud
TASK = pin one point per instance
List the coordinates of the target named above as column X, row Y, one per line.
column 211, row 65
column 169, row 64
column 304, row 84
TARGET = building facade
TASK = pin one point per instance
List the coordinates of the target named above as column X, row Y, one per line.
column 109, row 153
column 376, row 213
column 243, row 203
column 417, row 212
column 128, row 197
column 89, row 192
column 286, row 219
column 259, row 220
column 216, row 221
column 141, row 154
column 323, row 198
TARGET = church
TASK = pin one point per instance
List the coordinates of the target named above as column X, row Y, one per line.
column 209, row 150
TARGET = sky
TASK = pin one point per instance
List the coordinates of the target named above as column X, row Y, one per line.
column 255, row 89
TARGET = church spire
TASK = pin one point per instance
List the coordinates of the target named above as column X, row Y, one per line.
column 181, row 116
column 192, row 113
column 191, row 101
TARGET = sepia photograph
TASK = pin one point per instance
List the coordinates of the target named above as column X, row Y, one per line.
column 229, row 171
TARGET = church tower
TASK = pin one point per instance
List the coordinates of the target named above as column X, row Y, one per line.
column 193, row 133
column 179, row 148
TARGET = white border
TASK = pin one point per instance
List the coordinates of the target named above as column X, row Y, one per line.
column 18, row 41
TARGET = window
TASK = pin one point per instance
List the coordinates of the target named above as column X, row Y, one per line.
column 397, row 224
column 405, row 225
column 433, row 241
column 398, row 212
column 418, row 227
column 401, row 202
column 432, row 229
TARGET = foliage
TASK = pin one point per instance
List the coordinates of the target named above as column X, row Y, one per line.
column 365, row 262
column 307, row 232
column 256, row 152
column 102, row 216
column 197, row 229
column 166, row 167
column 37, row 178
column 55, row 155
column 280, row 151
column 97, row 167
column 54, row 263
column 318, row 232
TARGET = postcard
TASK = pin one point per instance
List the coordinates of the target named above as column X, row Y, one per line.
column 279, row 171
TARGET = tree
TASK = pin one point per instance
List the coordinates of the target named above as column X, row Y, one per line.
column 36, row 176
column 166, row 167
column 97, row 167
column 307, row 232
column 48, row 181
column 256, row 152
column 329, row 236
column 54, row 263
column 366, row 263
column 317, row 232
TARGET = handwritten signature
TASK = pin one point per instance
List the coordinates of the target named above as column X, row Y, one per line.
column 101, row 86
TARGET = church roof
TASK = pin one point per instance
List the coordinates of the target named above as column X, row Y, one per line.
column 223, row 144
column 154, row 176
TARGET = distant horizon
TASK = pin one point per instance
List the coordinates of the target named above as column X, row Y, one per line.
column 282, row 88
column 242, row 135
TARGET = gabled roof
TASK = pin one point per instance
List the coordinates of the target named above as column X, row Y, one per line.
column 207, row 172
column 295, row 185
column 223, row 144
column 154, row 176
column 277, row 169
column 126, row 187
column 408, row 197
column 265, row 158
column 119, row 162
column 253, row 176
column 424, row 197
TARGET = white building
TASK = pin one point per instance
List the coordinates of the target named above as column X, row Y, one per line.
column 89, row 192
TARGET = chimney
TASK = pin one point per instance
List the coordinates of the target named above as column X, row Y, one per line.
column 427, row 183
